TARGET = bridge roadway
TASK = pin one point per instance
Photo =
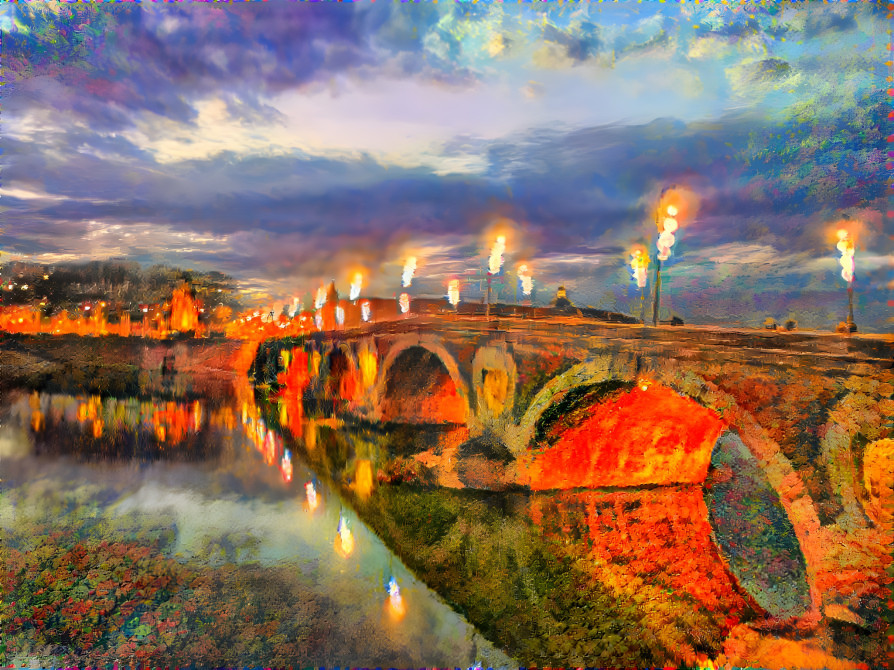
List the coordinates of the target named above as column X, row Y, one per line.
column 807, row 406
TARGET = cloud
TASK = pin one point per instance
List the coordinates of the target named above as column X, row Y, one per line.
column 829, row 21
column 285, row 143
column 579, row 42
column 770, row 69
column 111, row 62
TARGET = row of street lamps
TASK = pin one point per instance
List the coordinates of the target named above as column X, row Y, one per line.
column 675, row 205
column 675, row 202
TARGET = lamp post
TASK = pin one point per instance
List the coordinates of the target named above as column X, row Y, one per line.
column 453, row 293
column 668, row 225
column 846, row 247
column 494, row 265
column 639, row 262
column 406, row 281
column 526, row 281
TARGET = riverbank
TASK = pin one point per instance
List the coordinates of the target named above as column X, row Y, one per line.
column 119, row 366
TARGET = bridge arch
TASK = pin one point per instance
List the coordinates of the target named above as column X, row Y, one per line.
column 591, row 371
column 857, row 418
column 878, row 478
column 442, row 356
column 778, row 470
column 342, row 376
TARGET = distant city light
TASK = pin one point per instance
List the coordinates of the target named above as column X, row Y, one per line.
column 356, row 285
column 527, row 281
column 453, row 292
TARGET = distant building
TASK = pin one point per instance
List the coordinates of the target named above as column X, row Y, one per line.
column 328, row 310
column 562, row 298
column 184, row 310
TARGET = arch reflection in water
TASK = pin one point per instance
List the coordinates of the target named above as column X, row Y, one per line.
column 753, row 531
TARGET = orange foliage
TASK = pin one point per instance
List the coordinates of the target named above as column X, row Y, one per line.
column 667, row 439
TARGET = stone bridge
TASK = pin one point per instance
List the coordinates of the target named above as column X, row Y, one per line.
column 812, row 410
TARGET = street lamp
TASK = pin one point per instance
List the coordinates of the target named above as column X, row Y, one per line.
column 526, row 281
column 675, row 204
column 453, row 293
column 494, row 264
column 406, row 282
column 356, row 286
column 668, row 225
column 846, row 247
column 639, row 263
column 409, row 271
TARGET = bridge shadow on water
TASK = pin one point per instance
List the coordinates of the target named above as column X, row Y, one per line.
column 633, row 576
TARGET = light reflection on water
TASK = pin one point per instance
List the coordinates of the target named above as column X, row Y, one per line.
column 233, row 493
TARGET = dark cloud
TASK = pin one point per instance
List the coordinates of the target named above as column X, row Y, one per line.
column 770, row 69
column 115, row 60
column 580, row 44
column 587, row 192
column 820, row 22
column 736, row 30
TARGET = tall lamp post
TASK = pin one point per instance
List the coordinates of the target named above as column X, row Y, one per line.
column 526, row 281
column 494, row 264
column 846, row 247
column 453, row 293
column 639, row 263
column 668, row 225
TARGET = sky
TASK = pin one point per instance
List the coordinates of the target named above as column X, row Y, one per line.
column 293, row 143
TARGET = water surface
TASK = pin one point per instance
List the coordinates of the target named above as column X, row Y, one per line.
column 214, row 492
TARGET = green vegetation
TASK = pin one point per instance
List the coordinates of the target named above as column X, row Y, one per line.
column 524, row 593
column 123, row 285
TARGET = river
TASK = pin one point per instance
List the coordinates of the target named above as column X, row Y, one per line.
column 230, row 530
column 262, row 562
